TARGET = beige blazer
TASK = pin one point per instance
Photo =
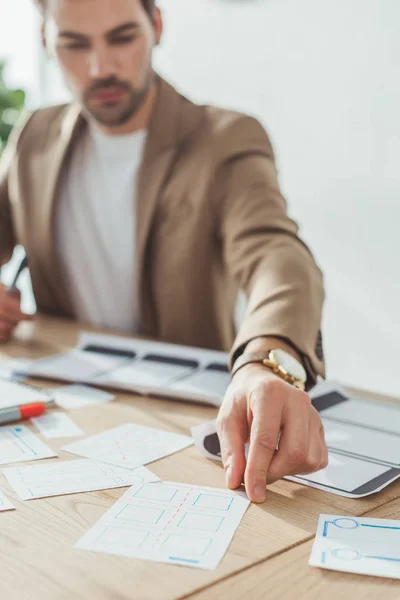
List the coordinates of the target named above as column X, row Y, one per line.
column 211, row 221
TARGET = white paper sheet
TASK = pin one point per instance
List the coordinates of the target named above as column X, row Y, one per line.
column 130, row 445
column 19, row 444
column 357, row 545
column 57, row 425
column 79, row 396
column 14, row 393
column 72, row 477
column 170, row 523
column 5, row 504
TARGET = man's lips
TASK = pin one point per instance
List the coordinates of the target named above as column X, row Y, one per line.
column 108, row 95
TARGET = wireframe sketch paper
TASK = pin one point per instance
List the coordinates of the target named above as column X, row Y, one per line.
column 357, row 545
column 72, row 477
column 80, row 396
column 19, row 444
column 15, row 393
column 5, row 504
column 140, row 366
column 130, row 445
column 346, row 475
column 57, row 425
column 170, row 523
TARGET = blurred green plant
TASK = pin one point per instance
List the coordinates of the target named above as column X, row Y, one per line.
column 12, row 103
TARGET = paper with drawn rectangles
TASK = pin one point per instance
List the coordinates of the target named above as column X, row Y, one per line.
column 5, row 504
column 19, row 444
column 72, row 477
column 170, row 523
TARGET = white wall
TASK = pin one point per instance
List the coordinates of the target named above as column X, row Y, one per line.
column 324, row 78
column 19, row 46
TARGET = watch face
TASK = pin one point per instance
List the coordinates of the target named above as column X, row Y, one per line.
column 289, row 364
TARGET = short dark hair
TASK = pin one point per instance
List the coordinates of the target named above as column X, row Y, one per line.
column 148, row 5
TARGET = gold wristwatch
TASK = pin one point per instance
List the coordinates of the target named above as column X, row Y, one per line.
column 280, row 362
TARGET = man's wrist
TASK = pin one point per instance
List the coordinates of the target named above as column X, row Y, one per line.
column 261, row 344
column 275, row 355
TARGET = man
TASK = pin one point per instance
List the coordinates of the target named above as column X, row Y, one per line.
column 144, row 212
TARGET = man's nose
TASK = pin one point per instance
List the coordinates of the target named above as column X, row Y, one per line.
column 101, row 64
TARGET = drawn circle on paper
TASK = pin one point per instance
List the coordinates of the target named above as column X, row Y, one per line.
column 344, row 523
column 346, row 554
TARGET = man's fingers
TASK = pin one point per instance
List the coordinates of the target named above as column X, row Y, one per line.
column 315, row 456
column 325, row 455
column 233, row 434
column 5, row 332
column 266, row 406
column 6, row 318
column 13, row 318
column 294, row 444
column 10, row 306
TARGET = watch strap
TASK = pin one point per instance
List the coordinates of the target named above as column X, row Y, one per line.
column 263, row 358
column 250, row 357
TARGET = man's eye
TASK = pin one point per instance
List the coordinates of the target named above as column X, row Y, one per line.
column 125, row 39
column 75, row 47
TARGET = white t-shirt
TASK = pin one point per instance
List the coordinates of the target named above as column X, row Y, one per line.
column 96, row 228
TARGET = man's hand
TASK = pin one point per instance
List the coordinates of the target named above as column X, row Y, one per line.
column 10, row 313
column 262, row 408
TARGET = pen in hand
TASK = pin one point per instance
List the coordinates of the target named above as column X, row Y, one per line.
column 22, row 266
column 10, row 306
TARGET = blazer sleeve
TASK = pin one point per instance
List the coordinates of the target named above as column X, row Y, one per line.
column 263, row 251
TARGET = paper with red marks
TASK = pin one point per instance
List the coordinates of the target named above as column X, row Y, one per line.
column 171, row 523
column 130, row 445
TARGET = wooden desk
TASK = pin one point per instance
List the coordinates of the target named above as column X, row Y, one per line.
column 269, row 551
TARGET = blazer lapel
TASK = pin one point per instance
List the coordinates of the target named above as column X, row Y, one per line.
column 54, row 159
column 160, row 152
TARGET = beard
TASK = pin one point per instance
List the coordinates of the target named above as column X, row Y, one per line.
column 117, row 110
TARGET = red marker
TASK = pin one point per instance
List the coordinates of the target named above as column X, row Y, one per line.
column 20, row 413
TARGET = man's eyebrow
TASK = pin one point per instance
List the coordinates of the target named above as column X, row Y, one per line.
column 73, row 35
column 124, row 28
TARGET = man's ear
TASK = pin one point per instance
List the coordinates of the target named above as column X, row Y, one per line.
column 158, row 25
column 48, row 38
column 43, row 37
